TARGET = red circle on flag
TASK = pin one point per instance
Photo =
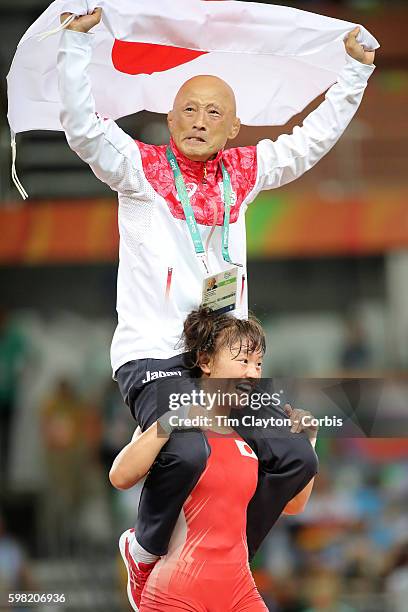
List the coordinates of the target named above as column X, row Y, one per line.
column 147, row 58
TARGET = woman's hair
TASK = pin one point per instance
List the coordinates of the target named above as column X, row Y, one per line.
column 207, row 332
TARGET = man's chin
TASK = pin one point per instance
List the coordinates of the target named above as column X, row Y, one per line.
column 197, row 151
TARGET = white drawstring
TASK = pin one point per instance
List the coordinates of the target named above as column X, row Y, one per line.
column 61, row 27
column 14, row 176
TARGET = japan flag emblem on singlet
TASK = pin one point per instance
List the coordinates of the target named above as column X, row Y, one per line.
column 245, row 449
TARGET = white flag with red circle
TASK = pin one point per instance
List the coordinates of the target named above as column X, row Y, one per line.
column 276, row 59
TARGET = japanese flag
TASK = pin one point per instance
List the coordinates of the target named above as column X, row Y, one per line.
column 276, row 59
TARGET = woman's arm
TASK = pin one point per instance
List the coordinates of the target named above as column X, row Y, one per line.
column 301, row 421
column 137, row 457
column 298, row 503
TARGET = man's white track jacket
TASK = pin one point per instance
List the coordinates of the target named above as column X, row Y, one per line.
column 159, row 276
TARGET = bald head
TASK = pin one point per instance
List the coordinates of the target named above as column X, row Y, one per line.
column 210, row 85
column 203, row 117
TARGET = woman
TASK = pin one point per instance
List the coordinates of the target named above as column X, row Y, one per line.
column 206, row 568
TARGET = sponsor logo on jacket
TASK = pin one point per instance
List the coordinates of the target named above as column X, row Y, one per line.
column 159, row 374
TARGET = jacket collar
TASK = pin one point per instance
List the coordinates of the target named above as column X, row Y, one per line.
column 196, row 168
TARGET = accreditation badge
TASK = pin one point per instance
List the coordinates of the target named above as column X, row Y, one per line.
column 220, row 291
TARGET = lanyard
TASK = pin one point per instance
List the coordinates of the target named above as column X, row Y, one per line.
column 189, row 213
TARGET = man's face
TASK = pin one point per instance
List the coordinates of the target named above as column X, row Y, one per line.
column 203, row 117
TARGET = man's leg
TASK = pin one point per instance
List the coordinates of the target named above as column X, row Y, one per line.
column 169, row 483
column 287, row 463
column 286, row 466
column 181, row 461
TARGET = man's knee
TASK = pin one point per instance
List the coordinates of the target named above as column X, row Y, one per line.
column 289, row 454
column 190, row 451
column 301, row 450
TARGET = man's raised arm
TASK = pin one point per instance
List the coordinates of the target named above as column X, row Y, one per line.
column 111, row 153
column 291, row 155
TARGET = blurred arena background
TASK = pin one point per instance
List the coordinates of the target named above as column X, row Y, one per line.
column 328, row 265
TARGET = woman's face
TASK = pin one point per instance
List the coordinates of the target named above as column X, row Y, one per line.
column 234, row 362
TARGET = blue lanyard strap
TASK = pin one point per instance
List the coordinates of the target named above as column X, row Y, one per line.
column 189, row 213
column 227, row 210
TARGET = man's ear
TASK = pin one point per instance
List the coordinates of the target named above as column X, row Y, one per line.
column 169, row 119
column 236, row 126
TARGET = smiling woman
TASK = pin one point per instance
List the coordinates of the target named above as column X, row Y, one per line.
column 180, row 580
column 207, row 563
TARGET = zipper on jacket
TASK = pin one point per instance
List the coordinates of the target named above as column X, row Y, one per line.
column 205, row 173
column 215, row 217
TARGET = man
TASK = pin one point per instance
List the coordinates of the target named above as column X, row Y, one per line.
column 164, row 261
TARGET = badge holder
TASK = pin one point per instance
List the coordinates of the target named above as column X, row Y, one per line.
column 220, row 291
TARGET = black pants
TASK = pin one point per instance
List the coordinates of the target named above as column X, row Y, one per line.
column 287, row 462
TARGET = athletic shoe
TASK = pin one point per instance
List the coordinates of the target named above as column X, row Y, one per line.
column 138, row 573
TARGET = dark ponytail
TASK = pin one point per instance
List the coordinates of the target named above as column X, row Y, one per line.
column 205, row 332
